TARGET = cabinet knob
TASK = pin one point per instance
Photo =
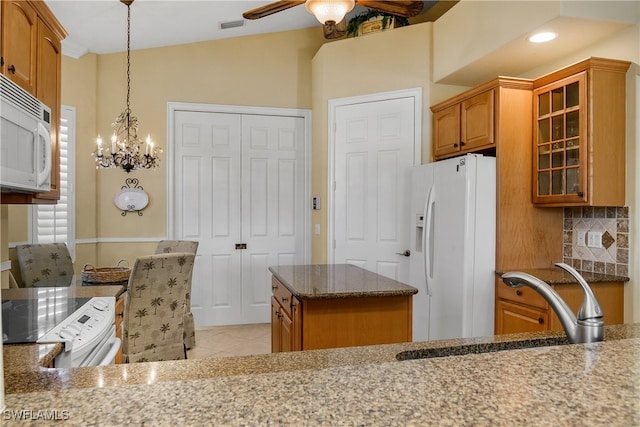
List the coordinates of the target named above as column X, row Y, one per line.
column 462, row 143
column 285, row 299
column 12, row 69
column 455, row 145
column 274, row 287
column 519, row 292
column 540, row 320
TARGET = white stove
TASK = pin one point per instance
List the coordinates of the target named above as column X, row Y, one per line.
column 88, row 335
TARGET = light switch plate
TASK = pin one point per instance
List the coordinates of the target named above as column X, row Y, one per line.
column 581, row 241
column 594, row 239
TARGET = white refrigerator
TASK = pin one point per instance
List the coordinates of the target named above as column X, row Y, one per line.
column 452, row 263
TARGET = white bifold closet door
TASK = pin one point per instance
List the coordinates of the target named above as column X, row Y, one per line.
column 240, row 193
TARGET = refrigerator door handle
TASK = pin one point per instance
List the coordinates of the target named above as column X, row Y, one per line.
column 426, row 238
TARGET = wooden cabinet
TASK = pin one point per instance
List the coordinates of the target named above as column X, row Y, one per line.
column 579, row 135
column 309, row 324
column 31, row 53
column 524, row 310
column 463, row 126
column 285, row 320
column 19, row 43
column 119, row 313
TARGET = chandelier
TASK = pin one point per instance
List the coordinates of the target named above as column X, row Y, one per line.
column 126, row 150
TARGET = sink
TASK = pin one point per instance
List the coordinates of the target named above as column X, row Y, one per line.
column 477, row 348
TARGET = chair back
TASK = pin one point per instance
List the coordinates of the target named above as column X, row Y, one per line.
column 155, row 306
column 44, row 264
column 168, row 246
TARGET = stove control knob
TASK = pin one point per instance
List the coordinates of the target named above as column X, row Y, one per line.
column 100, row 305
column 66, row 335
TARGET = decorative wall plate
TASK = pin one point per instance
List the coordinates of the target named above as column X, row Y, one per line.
column 131, row 199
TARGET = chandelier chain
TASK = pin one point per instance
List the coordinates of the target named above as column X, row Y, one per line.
column 126, row 150
column 128, row 71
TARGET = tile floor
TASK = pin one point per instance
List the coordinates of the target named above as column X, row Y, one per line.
column 234, row 340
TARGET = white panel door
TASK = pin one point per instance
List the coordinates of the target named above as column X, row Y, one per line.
column 240, row 180
column 272, row 197
column 208, row 210
column 374, row 153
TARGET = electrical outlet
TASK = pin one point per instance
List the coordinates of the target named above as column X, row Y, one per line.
column 594, row 239
column 582, row 238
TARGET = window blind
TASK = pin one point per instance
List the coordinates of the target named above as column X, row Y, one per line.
column 54, row 223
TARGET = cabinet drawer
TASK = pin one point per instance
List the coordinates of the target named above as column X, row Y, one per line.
column 521, row 295
column 282, row 295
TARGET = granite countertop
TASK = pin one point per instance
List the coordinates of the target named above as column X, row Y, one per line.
column 337, row 281
column 572, row 384
column 557, row 276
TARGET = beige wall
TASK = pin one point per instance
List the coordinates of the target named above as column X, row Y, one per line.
column 381, row 62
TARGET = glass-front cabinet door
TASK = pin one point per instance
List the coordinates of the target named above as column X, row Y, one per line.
column 560, row 141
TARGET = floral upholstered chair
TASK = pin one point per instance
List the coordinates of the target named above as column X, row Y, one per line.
column 169, row 246
column 153, row 324
column 47, row 264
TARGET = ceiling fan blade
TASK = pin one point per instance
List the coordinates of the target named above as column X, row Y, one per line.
column 268, row 9
column 404, row 8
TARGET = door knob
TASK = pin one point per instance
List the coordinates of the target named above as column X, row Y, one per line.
column 405, row 253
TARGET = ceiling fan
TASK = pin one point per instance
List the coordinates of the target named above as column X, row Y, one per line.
column 331, row 13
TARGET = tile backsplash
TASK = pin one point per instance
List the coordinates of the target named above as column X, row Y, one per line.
column 613, row 223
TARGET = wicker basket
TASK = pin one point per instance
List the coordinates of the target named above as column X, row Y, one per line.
column 91, row 274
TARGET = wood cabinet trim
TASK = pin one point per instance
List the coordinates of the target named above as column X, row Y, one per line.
column 49, row 19
column 593, row 63
column 503, row 82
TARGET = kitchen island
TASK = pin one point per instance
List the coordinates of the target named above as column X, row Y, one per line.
column 337, row 305
column 561, row 384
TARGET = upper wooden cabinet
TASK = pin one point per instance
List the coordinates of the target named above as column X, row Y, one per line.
column 19, row 40
column 466, row 126
column 579, row 135
column 31, row 57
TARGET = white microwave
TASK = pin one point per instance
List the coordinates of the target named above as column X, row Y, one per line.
column 25, row 140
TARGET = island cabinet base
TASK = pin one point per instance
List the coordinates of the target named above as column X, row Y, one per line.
column 348, row 322
column 299, row 323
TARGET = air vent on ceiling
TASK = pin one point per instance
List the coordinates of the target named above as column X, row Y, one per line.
column 231, row 24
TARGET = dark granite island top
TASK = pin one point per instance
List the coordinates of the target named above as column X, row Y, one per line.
column 337, row 281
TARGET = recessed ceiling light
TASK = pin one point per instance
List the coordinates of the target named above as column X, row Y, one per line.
column 542, row 37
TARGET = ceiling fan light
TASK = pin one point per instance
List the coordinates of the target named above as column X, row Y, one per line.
column 329, row 10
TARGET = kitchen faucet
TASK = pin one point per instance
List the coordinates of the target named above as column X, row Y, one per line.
column 587, row 327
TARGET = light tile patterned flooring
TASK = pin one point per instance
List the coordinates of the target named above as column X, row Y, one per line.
column 234, row 340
